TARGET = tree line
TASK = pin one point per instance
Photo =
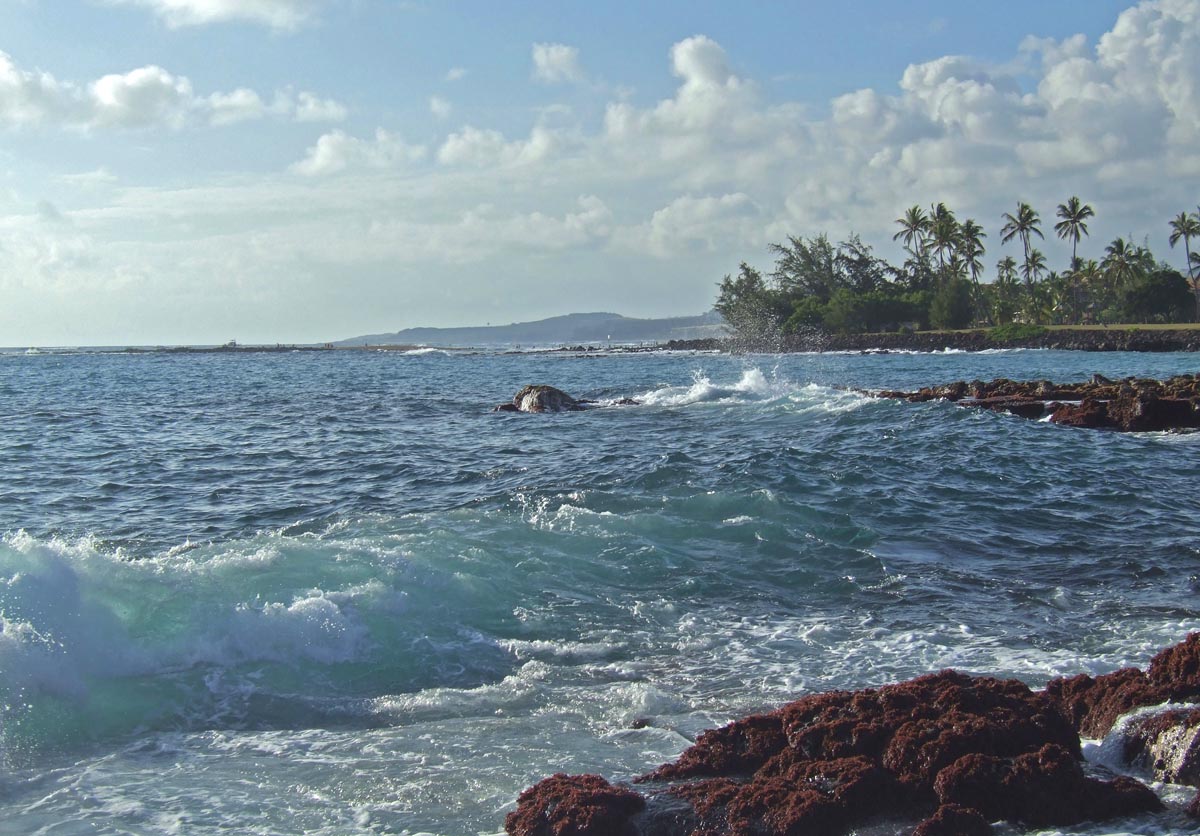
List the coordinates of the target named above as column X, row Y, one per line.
column 845, row 287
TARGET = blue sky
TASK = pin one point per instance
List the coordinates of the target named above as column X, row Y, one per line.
column 189, row 171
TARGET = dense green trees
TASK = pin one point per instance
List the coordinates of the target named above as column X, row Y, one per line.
column 845, row 287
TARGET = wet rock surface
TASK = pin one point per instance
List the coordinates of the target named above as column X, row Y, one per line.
column 541, row 398
column 1129, row 405
column 948, row 752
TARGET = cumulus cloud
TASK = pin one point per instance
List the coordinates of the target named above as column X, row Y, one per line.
column 439, row 107
column 146, row 97
column 699, row 179
column 276, row 14
column 556, row 63
column 482, row 148
column 456, row 73
column 337, row 151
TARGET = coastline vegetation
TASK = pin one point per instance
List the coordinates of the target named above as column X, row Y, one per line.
column 844, row 287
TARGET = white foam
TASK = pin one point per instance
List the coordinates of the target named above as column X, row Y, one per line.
column 754, row 387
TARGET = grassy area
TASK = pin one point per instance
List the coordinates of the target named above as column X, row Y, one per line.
column 1182, row 326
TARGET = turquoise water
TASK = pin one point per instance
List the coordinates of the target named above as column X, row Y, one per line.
column 333, row 593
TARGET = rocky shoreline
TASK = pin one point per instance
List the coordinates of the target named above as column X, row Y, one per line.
column 948, row 752
column 1128, row 405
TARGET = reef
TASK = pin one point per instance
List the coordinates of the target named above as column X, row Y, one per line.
column 1128, row 405
column 948, row 753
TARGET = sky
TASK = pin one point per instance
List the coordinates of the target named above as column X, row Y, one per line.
column 297, row 171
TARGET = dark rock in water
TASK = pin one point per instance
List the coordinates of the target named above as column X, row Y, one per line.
column 1024, row 407
column 954, row 820
column 1150, row 413
column 1088, row 414
column 1130, row 405
column 1166, row 743
column 575, row 805
column 541, row 398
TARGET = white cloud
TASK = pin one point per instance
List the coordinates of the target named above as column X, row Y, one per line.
column 439, row 107
column 337, row 151
column 456, row 73
column 239, row 106
column 277, row 14
column 146, row 97
column 311, row 108
column 491, row 224
column 710, row 223
column 555, row 63
column 486, row 148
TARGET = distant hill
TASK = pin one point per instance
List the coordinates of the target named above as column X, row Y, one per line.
column 572, row 329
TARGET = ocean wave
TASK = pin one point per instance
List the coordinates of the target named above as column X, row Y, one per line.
column 754, row 387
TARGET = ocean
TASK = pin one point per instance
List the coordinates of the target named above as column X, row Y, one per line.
column 333, row 593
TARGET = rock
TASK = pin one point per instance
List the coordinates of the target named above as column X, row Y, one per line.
column 1043, row 788
column 954, row 820
column 580, row 805
column 1093, row 705
column 1177, row 669
column 1015, row 404
column 950, row 750
column 1148, row 413
column 1131, row 405
column 1088, row 414
column 541, row 398
column 1167, row 743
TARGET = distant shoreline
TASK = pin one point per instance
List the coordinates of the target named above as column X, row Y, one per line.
column 1096, row 338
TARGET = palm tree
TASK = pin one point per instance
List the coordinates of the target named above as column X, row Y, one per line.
column 943, row 232
column 970, row 243
column 970, row 246
column 1073, row 225
column 1091, row 278
column 1187, row 227
column 914, row 229
column 1005, row 290
column 1021, row 225
column 1121, row 263
column 1033, row 267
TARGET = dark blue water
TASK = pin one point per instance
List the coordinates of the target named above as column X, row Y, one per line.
column 335, row 593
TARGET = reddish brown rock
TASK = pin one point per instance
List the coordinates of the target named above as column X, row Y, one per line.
column 575, row 805
column 1093, row 704
column 1042, row 788
column 1130, row 405
column 1088, row 414
column 1176, row 670
column 954, row 750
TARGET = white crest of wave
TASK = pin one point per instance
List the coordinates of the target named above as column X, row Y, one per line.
column 754, row 387
column 73, row 613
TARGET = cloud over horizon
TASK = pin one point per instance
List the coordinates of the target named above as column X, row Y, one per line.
column 142, row 98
